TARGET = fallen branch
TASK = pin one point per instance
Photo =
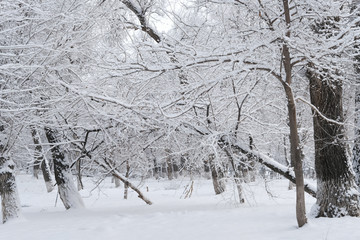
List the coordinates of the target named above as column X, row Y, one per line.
column 275, row 166
column 132, row 186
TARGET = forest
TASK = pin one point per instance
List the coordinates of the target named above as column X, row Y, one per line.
column 142, row 93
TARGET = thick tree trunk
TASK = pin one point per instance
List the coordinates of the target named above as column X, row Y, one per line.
column 337, row 193
column 10, row 203
column 41, row 161
column 356, row 148
column 66, row 187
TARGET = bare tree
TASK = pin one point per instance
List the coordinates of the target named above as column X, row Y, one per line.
column 41, row 161
column 336, row 194
column 66, row 188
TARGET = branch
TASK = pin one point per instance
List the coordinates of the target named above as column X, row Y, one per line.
column 133, row 187
column 318, row 112
column 125, row 180
column 140, row 14
column 267, row 161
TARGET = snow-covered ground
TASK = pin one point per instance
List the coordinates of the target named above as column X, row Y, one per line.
column 268, row 214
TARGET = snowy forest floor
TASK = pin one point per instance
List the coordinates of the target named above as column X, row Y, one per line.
column 268, row 214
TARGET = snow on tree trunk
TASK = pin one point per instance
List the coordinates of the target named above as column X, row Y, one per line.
column 66, row 187
column 10, row 203
column 237, row 176
column 45, row 168
column 41, row 161
column 337, row 193
column 216, row 175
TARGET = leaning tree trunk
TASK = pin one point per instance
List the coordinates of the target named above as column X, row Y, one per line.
column 41, row 161
column 66, row 187
column 337, row 193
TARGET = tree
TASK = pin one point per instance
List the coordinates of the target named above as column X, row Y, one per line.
column 40, row 161
column 10, row 203
column 294, row 136
column 66, row 188
column 337, row 193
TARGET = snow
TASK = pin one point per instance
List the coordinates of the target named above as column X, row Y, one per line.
column 202, row 216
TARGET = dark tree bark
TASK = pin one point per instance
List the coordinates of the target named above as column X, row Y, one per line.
column 356, row 148
column 10, row 204
column 141, row 15
column 41, row 161
column 336, row 192
column 66, row 188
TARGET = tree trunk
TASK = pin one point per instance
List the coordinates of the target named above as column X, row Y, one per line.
column 10, row 203
column 216, row 175
column 337, row 193
column 80, row 184
column 295, row 153
column 41, row 160
column 66, row 187
column 117, row 182
column 295, row 150
column 237, row 176
column 356, row 148
column 169, row 164
column 156, row 170
column 126, row 184
column 289, row 164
